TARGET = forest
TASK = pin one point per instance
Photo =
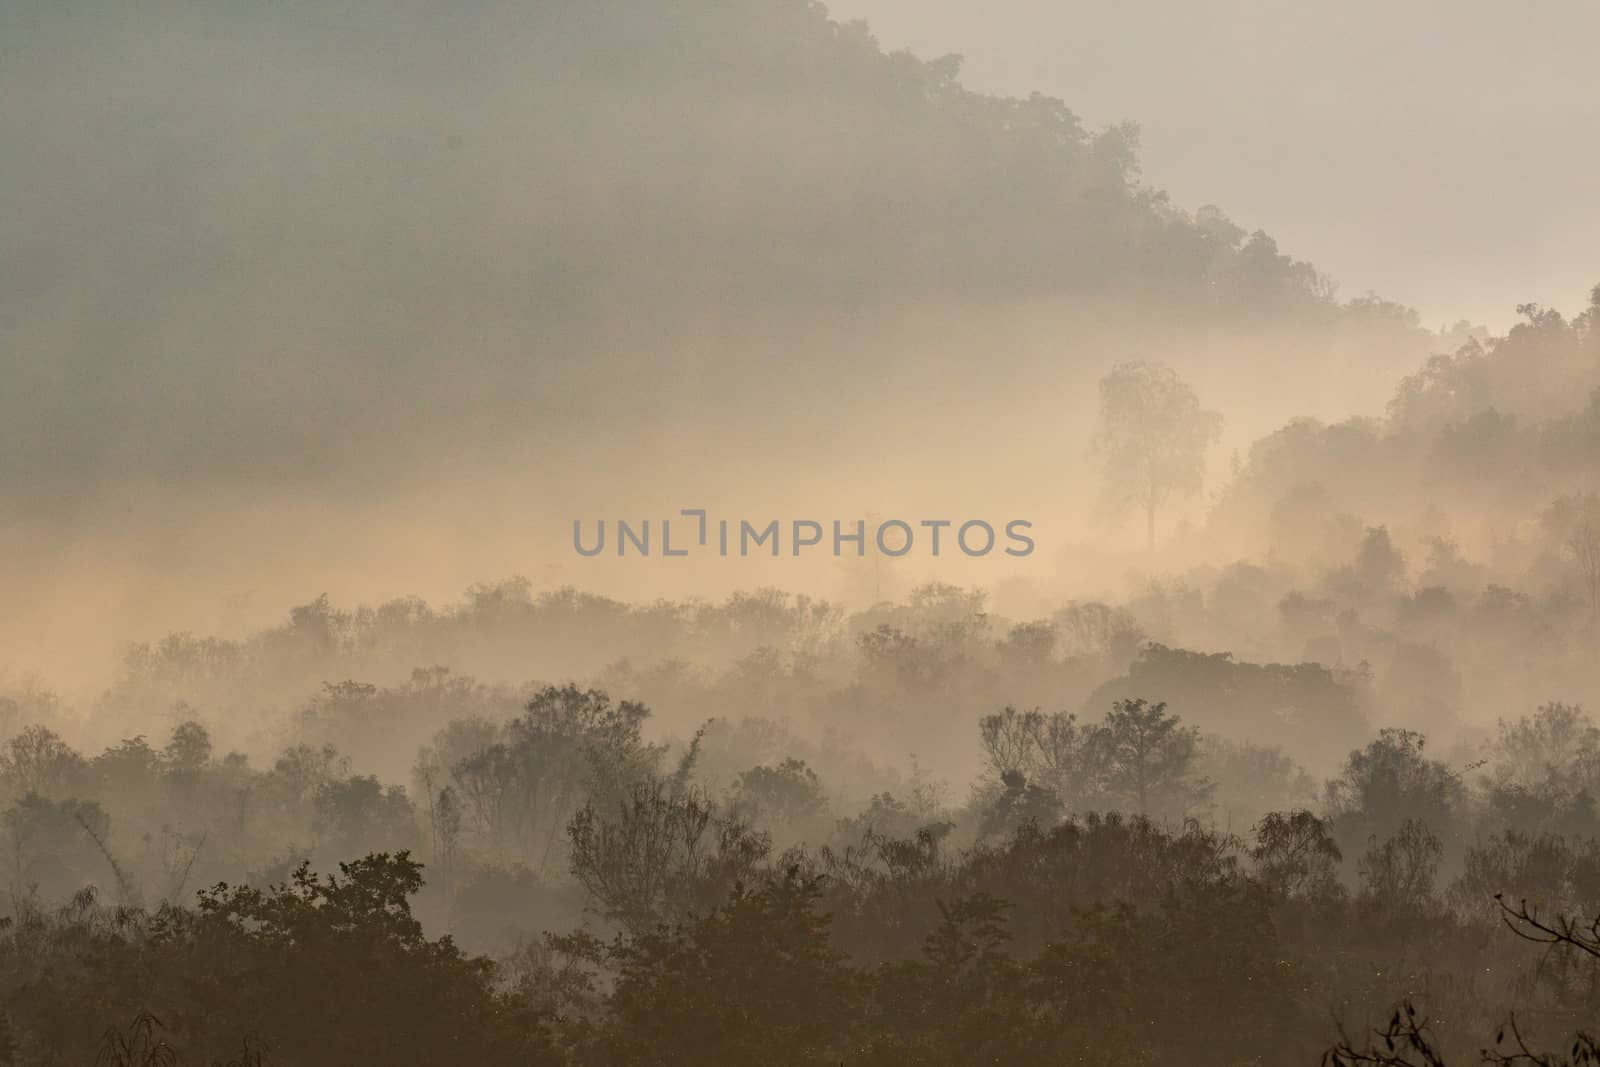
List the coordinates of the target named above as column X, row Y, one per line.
column 774, row 828
column 1279, row 747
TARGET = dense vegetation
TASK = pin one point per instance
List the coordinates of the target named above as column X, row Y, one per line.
column 998, row 928
column 1162, row 852
column 1109, row 843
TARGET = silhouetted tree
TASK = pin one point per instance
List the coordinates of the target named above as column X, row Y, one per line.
column 1146, row 758
column 1152, row 438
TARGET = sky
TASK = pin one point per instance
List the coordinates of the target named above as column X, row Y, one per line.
column 1437, row 152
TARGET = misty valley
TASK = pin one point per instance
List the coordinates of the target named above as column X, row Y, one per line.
column 368, row 697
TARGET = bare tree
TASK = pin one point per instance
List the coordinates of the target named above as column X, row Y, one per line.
column 661, row 855
column 1011, row 740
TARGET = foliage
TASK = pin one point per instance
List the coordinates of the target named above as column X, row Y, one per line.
column 1152, row 437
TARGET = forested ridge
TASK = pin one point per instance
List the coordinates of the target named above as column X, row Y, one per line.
column 418, row 223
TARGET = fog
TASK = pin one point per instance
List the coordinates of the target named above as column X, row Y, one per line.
column 304, row 277
column 330, row 334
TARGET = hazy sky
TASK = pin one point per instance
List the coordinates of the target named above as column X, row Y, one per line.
column 1440, row 152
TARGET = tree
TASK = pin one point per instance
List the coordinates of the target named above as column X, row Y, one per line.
column 1397, row 875
column 384, row 992
column 50, row 847
column 569, row 746
column 189, row 750
column 1388, row 783
column 361, row 809
column 140, row 1045
column 38, row 761
column 1152, row 438
column 1048, row 761
column 786, row 796
column 1147, row 758
column 1019, row 803
column 663, row 854
column 1584, row 544
column 1296, row 856
column 1011, row 740
column 755, row 980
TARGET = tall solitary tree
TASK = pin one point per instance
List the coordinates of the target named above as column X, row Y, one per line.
column 1152, row 438
column 1584, row 544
